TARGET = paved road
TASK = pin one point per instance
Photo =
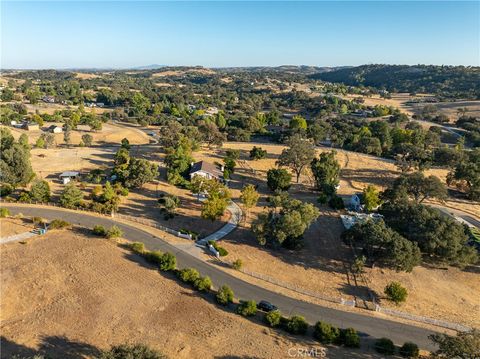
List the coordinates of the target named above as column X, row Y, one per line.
column 368, row 325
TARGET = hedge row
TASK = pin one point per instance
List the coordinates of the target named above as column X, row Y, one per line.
column 325, row 333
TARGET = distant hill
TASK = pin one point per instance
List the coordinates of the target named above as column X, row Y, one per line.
column 447, row 81
column 149, row 67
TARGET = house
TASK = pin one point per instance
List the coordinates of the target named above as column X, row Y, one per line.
column 355, row 203
column 207, row 170
column 349, row 220
column 67, row 176
column 55, row 129
column 211, row 111
column 100, row 104
column 48, row 99
column 30, row 126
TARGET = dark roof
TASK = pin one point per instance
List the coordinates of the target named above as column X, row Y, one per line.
column 206, row 167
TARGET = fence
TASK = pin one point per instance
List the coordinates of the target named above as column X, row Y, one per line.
column 342, row 301
column 419, row 318
column 266, row 278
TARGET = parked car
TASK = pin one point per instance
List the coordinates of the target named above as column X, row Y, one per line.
column 266, row 306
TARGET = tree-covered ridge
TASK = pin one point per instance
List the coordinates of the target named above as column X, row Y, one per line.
column 448, row 81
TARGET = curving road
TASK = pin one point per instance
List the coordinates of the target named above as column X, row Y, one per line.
column 368, row 325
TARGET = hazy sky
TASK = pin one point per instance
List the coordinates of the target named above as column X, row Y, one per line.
column 129, row 33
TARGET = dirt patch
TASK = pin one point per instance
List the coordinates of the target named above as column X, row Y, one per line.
column 86, row 76
column 82, row 294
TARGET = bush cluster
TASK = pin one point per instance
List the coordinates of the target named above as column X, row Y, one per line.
column 224, row 295
column 4, row 212
column 247, row 308
column 59, row 224
column 221, row 251
column 326, row 333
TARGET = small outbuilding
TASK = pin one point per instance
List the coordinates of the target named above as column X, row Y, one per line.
column 67, row 176
column 55, row 129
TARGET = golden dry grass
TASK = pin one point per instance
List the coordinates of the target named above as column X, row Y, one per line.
column 83, row 293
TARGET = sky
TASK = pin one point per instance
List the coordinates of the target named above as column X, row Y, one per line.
column 124, row 34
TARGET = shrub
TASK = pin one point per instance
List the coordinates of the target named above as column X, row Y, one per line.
column 38, row 220
column 114, row 232
column 58, row 224
column 192, row 233
column 4, row 212
column 297, row 325
column 273, row 318
column 349, row 337
column 203, row 284
column 237, row 264
column 247, row 308
column 257, row 153
column 128, row 351
column 167, row 262
column 221, row 251
column 99, row 230
column 385, row 346
column 224, row 295
column 336, row 202
column 409, row 350
column 188, row 275
column 395, row 292
column 322, row 198
column 153, row 257
column 326, row 333
column 24, row 197
column 137, row 247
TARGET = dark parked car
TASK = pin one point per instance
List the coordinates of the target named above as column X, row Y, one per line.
column 266, row 306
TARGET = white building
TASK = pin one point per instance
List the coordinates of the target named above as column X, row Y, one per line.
column 67, row 176
column 207, row 170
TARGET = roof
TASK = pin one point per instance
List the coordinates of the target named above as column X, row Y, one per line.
column 53, row 127
column 206, row 167
column 70, row 174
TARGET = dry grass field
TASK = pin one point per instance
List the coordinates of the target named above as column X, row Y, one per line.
column 70, row 295
column 110, row 134
column 320, row 266
column 10, row 226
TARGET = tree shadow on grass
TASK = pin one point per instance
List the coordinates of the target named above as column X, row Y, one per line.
column 50, row 346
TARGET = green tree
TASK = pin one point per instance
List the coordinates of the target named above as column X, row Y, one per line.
column 396, row 292
column 287, row 225
column 465, row 345
column 125, row 144
column 384, row 246
column 87, row 139
column 249, row 197
column 466, row 175
column 67, row 136
column 278, row 179
column 218, row 197
column 416, row 186
column 409, row 350
column 326, row 171
column 71, row 196
column 15, row 166
column 23, row 140
column 257, row 153
column 140, row 104
column 298, row 155
column 33, row 94
column 298, row 123
column 40, row 143
column 440, row 237
column 40, row 191
column 371, row 197
column 140, row 171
